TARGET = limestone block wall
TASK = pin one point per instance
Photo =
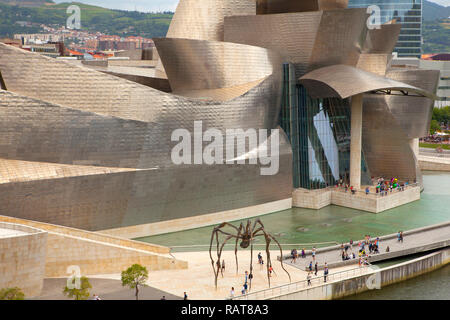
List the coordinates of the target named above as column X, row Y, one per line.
column 22, row 259
column 97, row 253
column 434, row 163
column 317, row 199
column 99, row 258
column 375, row 204
column 311, row 199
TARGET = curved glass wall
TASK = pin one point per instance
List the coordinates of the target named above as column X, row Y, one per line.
column 319, row 132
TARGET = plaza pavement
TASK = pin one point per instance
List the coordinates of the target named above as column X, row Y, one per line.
column 106, row 289
column 198, row 279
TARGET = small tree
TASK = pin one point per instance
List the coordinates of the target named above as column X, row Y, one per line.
column 80, row 293
column 135, row 276
column 12, row 294
column 434, row 127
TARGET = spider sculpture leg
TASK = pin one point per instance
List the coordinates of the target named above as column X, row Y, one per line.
column 251, row 264
column 268, row 237
column 215, row 235
column 241, row 228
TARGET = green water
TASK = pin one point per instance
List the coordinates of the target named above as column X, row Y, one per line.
column 335, row 223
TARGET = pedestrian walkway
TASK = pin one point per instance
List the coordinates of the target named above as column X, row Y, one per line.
column 418, row 240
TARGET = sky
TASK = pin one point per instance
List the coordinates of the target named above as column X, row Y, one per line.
column 157, row 5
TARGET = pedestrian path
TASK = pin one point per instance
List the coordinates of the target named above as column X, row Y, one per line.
column 418, row 240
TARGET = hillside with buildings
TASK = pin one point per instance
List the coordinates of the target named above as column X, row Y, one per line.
column 19, row 19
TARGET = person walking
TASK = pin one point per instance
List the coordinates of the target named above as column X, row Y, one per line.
column 316, row 268
column 325, row 273
column 185, row 296
column 313, row 253
column 232, row 292
column 308, row 277
column 310, row 266
column 401, row 236
column 303, row 253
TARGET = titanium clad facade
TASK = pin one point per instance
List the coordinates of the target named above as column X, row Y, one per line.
column 115, row 135
column 309, row 40
column 86, row 149
column 385, row 144
column 286, row 6
column 408, row 13
column 413, row 113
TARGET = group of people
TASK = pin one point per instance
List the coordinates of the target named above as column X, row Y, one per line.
column 385, row 186
column 345, row 254
column 248, row 277
column 294, row 255
column 316, row 269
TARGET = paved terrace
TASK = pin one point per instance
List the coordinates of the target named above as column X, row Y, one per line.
column 198, row 279
column 414, row 241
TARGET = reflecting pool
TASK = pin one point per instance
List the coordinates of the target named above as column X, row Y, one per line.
column 333, row 223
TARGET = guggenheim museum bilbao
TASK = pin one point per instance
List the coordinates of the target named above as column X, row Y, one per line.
column 89, row 150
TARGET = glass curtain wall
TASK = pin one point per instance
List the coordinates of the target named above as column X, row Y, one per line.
column 319, row 132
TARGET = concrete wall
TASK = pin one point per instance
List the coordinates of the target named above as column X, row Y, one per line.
column 386, row 276
column 22, row 259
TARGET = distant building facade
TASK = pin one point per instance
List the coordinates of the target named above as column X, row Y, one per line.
column 408, row 13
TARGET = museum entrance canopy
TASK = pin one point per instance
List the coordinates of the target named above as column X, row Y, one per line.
column 342, row 81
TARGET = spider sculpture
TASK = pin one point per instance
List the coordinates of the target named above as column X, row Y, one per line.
column 246, row 235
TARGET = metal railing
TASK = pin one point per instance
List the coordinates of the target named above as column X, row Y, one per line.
column 302, row 285
column 310, row 244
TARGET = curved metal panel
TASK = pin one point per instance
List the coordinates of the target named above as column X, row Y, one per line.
column 199, row 65
column 286, row 6
column 386, row 148
column 413, row 113
column 374, row 62
column 62, row 83
column 66, row 114
column 203, row 19
column 345, row 81
column 96, row 198
column 309, row 40
column 382, row 40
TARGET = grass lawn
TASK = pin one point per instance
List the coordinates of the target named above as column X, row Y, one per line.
column 434, row 145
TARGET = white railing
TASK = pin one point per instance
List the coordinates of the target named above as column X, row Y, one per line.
column 303, row 284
